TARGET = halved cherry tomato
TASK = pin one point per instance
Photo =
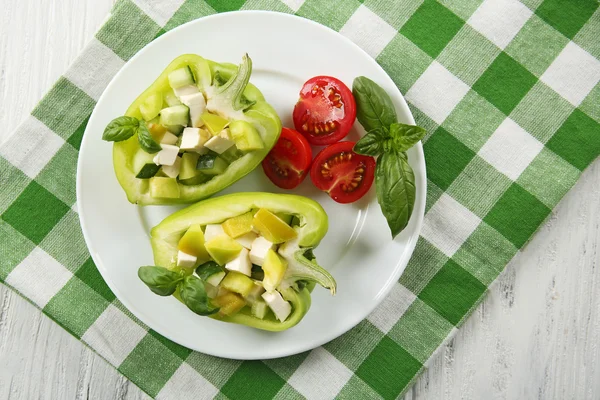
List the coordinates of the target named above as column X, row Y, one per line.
column 288, row 163
column 325, row 111
column 343, row 174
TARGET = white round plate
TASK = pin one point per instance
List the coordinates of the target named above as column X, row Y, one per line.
column 358, row 249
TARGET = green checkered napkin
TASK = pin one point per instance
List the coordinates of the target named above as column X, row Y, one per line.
column 509, row 94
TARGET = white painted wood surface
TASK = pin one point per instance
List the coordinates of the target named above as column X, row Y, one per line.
column 535, row 336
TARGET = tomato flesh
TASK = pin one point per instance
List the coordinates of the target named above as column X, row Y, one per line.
column 343, row 174
column 325, row 111
column 288, row 162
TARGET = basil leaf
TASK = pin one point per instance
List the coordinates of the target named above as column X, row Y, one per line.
column 193, row 294
column 147, row 142
column 395, row 183
column 405, row 136
column 120, row 128
column 208, row 269
column 373, row 143
column 374, row 107
column 160, row 280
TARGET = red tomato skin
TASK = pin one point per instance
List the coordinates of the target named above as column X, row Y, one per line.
column 288, row 162
column 357, row 169
column 320, row 115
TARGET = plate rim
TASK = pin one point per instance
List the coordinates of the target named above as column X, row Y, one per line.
column 385, row 290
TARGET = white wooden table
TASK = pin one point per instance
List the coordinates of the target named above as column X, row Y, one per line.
column 536, row 335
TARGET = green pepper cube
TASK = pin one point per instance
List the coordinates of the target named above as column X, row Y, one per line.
column 192, row 242
column 214, row 123
column 273, row 228
column 245, row 136
column 151, row 107
column 238, row 226
column 229, row 303
column 164, row 187
column 274, row 268
column 223, row 249
column 238, row 283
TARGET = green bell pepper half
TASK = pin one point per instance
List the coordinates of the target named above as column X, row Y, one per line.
column 237, row 98
column 302, row 273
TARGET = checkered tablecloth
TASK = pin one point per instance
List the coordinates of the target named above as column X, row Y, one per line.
column 509, row 94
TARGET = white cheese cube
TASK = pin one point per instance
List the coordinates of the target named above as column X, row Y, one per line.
column 172, row 170
column 185, row 91
column 241, row 263
column 212, row 231
column 259, row 250
column 281, row 308
column 169, row 138
column 167, row 155
column 193, row 139
column 197, row 106
column 186, row 260
column 220, row 143
column 247, row 239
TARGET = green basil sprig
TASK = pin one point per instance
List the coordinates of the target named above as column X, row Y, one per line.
column 164, row 282
column 122, row 128
column 193, row 294
column 160, row 280
column 389, row 140
column 147, row 142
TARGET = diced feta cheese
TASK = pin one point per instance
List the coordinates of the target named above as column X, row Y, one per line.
column 167, row 155
column 185, row 91
column 247, row 239
column 193, row 139
column 241, row 263
column 197, row 106
column 169, row 138
column 215, row 279
column 259, row 250
column 281, row 308
column 220, row 143
column 172, row 170
column 212, row 231
column 186, row 260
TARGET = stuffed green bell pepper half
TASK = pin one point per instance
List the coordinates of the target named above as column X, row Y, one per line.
column 197, row 129
column 244, row 258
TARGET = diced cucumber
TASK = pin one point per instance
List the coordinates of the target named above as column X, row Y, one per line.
column 231, row 154
column 151, row 107
column 214, row 123
column 171, row 99
column 196, row 180
column 175, row 129
column 181, row 77
column 287, row 218
column 257, row 272
column 260, row 309
column 238, row 283
column 148, row 171
column 245, row 136
column 164, row 188
column 140, row 159
column 215, row 279
column 211, row 164
column 176, row 115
